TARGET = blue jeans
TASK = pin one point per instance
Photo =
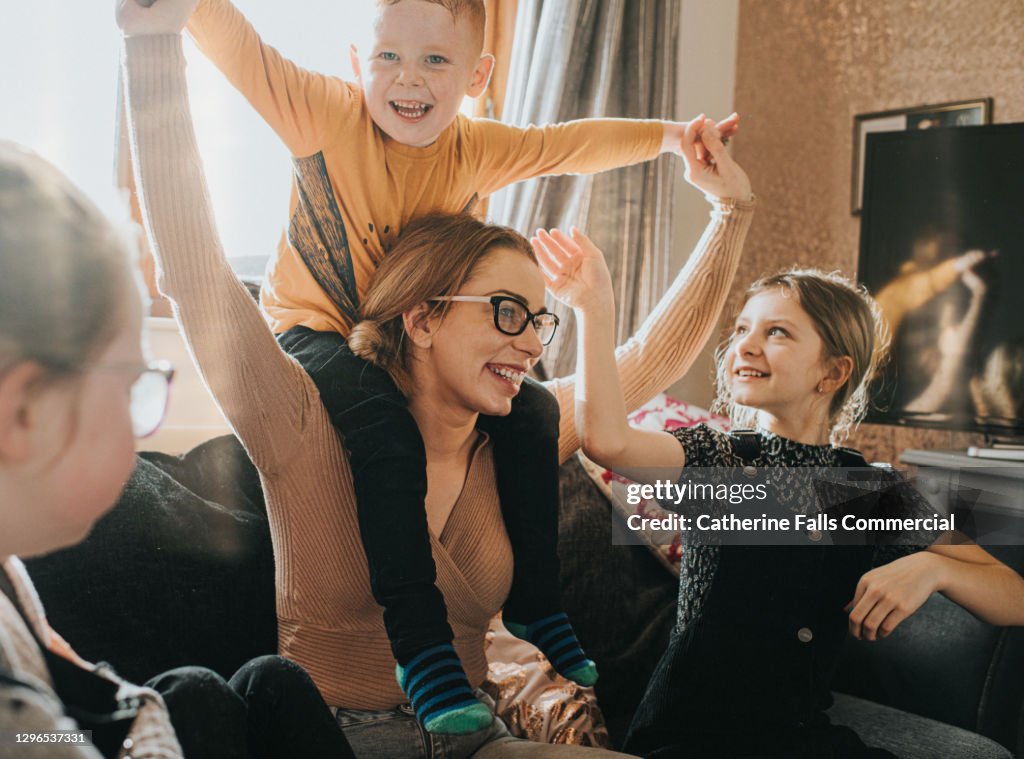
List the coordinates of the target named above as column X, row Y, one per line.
column 395, row 734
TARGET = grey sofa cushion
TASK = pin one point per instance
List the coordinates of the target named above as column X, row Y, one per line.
column 908, row 735
column 945, row 663
column 181, row 571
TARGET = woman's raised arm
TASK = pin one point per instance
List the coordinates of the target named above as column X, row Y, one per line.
column 262, row 392
column 672, row 336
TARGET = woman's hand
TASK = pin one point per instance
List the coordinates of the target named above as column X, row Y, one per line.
column 712, row 170
column 673, row 131
column 146, row 17
column 574, row 269
column 889, row 594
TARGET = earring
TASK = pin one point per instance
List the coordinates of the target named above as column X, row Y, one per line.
column 819, row 388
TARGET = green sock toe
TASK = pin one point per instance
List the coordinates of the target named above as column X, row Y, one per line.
column 516, row 629
column 554, row 636
column 461, row 721
column 584, row 674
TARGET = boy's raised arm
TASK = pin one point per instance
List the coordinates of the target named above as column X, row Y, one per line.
column 264, row 395
column 301, row 106
column 506, row 154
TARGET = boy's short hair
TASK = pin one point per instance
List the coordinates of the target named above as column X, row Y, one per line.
column 473, row 10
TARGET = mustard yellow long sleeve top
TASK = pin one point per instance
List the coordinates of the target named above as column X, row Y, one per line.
column 354, row 189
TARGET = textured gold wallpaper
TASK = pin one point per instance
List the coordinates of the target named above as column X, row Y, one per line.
column 804, row 69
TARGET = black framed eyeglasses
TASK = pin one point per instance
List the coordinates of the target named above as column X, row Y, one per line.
column 511, row 316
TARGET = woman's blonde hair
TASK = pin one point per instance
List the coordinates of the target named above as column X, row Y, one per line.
column 434, row 256
column 849, row 323
column 64, row 268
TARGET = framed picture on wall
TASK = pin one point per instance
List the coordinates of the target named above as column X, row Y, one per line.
column 961, row 113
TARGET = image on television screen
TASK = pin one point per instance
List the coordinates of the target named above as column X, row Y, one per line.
column 942, row 251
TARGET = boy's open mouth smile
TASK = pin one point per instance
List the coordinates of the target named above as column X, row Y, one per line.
column 410, row 110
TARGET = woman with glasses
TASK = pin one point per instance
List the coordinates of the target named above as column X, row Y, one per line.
column 75, row 392
column 369, row 404
column 455, row 316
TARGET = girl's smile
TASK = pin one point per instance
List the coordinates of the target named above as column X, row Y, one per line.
column 775, row 363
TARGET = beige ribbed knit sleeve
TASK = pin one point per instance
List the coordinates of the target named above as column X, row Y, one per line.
column 263, row 393
column 672, row 336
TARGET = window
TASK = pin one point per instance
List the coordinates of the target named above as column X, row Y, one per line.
column 58, row 96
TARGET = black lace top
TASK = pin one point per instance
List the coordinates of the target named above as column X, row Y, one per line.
column 707, row 447
column 759, row 628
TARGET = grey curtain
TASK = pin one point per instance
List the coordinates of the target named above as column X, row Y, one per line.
column 581, row 58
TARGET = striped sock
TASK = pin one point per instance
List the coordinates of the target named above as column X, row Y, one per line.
column 440, row 694
column 554, row 637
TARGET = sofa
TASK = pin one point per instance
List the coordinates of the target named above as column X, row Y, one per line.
column 181, row 572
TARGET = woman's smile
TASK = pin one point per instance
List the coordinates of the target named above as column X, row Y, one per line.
column 508, row 376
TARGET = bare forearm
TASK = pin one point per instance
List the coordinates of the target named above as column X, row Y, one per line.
column 942, row 385
column 673, row 335
column 993, row 592
column 600, row 406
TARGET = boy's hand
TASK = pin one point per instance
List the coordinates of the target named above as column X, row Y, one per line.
column 672, row 141
column 574, row 269
column 144, row 17
column 712, row 170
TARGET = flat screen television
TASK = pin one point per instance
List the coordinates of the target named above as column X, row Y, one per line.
column 942, row 250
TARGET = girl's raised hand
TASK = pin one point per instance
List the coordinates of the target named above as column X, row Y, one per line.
column 574, row 269
column 712, row 170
